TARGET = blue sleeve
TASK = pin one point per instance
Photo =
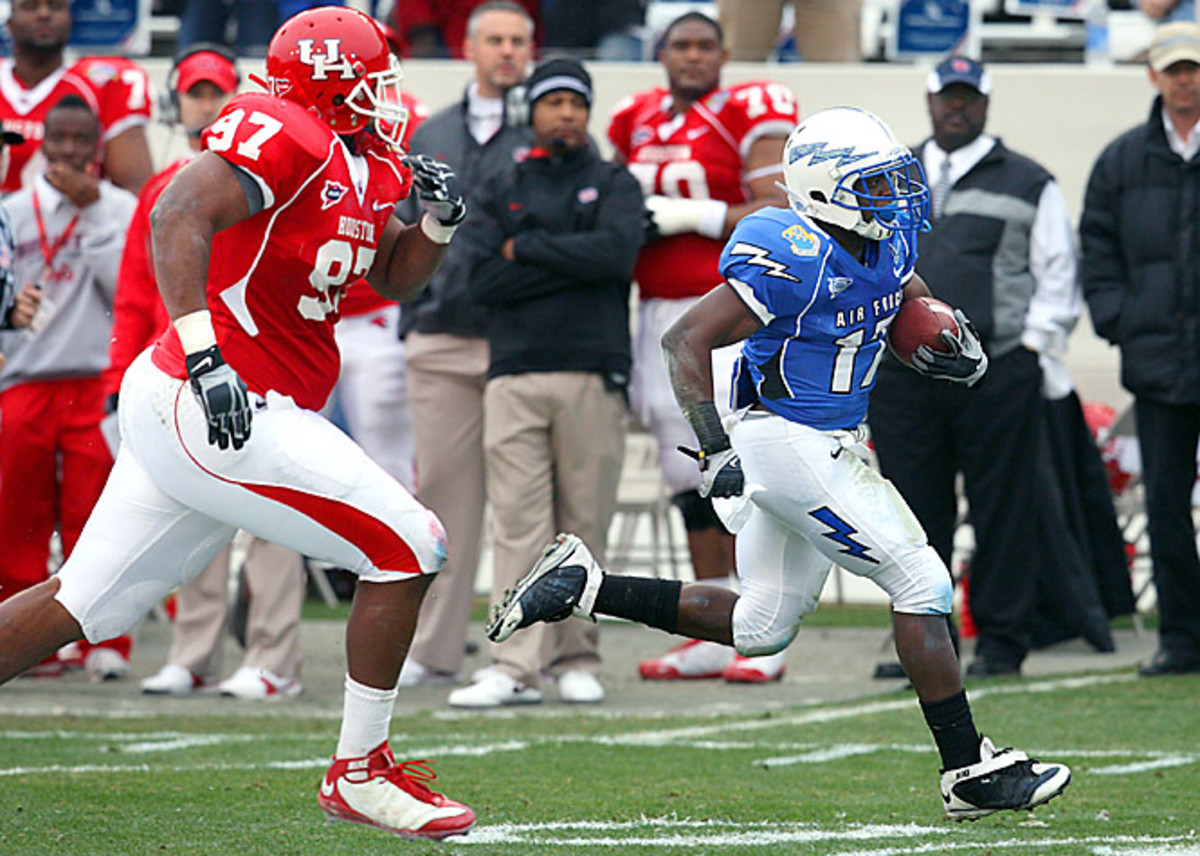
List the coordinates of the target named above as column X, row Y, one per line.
column 773, row 266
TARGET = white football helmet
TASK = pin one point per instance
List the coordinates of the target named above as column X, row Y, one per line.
column 829, row 161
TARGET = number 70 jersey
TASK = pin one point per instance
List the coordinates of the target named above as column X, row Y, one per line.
column 825, row 314
column 275, row 279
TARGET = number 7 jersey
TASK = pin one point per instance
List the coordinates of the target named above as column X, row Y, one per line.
column 275, row 279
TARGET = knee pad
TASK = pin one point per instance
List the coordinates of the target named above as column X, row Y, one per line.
column 697, row 511
column 761, row 628
column 930, row 592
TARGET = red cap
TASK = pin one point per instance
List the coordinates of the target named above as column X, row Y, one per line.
column 206, row 65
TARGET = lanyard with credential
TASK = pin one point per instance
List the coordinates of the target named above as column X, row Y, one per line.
column 50, row 250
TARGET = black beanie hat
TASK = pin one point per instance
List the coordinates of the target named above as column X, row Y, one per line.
column 555, row 74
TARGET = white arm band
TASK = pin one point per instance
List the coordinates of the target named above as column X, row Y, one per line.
column 195, row 331
column 677, row 216
column 435, row 231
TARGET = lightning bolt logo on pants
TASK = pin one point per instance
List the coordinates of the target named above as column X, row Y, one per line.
column 840, row 532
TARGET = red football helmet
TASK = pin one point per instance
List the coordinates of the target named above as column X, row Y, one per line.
column 336, row 62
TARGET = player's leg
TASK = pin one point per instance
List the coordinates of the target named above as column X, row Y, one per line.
column 303, row 483
column 816, row 483
column 84, row 466
column 710, row 547
column 447, row 375
column 274, row 576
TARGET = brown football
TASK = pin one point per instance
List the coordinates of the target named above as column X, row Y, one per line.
column 920, row 321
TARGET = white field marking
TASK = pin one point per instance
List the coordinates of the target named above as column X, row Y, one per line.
column 1163, row 763
column 1170, row 850
column 189, row 742
column 822, row 756
column 688, row 833
column 1159, row 846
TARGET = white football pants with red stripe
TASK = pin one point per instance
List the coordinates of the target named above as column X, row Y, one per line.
column 173, row 500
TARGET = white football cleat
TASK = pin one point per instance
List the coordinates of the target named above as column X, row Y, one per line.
column 691, row 660
column 105, row 664
column 575, row 686
column 999, row 781
column 251, row 684
column 756, row 670
column 376, row 791
column 172, row 679
column 563, row 582
column 414, row 674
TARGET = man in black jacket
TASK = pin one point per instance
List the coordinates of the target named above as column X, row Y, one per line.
column 554, row 243
column 1001, row 248
column 1141, row 279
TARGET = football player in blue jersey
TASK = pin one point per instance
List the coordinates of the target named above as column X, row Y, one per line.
column 810, row 291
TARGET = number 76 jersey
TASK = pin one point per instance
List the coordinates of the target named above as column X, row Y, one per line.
column 825, row 314
column 275, row 279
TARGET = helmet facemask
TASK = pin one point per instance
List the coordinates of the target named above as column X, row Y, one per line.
column 844, row 167
column 377, row 96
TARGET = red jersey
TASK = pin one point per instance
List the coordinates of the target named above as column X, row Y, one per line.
column 276, row 278
column 139, row 315
column 698, row 155
column 116, row 89
column 360, row 298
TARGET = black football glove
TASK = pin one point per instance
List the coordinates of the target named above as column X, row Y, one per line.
column 223, row 396
column 966, row 362
column 437, row 188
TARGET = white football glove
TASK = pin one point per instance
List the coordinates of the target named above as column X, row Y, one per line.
column 673, row 216
column 720, row 472
column 966, row 362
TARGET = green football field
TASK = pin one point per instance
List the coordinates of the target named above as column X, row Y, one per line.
column 853, row 777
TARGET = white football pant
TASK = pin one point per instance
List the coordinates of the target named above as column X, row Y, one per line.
column 817, row 503
column 172, row 501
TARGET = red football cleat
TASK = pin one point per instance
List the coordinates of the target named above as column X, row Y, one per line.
column 756, row 670
column 377, row 791
column 692, row 660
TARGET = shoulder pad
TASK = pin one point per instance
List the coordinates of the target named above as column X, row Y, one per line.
column 302, row 127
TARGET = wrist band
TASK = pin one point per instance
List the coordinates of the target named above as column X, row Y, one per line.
column 196, row 331
column 706, row 422
column 712, row 219
column 435, row 231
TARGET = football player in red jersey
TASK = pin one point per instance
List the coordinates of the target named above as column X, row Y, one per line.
column 706, row 156
column 254, row 243
column 35, row 78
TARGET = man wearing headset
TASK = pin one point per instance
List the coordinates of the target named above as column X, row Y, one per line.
column 200, row 84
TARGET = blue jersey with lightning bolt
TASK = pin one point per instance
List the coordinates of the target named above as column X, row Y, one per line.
column 824, row 314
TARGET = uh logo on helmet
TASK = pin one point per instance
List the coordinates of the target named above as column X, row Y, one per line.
column 845, row 167
column 336, row 62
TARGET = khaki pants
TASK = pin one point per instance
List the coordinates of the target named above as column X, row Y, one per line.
column 555, row 442
column 826, row 30
column 275, row 576
column 446, row 379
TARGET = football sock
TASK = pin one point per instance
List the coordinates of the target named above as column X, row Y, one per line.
column 654, row 603
column 366, row 715
column 953, row 730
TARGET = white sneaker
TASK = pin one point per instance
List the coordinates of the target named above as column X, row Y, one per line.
column 105, row 664
column 172, row 679
column 493, row 690
column 576, row 686
column 251, row 684
column 691, row 660
column 756, row 670
column 1002, row 780
column 414, row 674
